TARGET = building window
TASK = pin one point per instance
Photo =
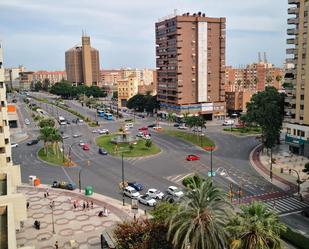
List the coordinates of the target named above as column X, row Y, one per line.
column 2, row 150
column 8, row 159
column 7, row 141
column 302, row 107
column 301, row 97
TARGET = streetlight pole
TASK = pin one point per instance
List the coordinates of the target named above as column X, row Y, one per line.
column 271, row 164
column 79, row 180
column 122, row 167
column 52, row 204
column 211, row 161
column 62, row 151
column 298, row 180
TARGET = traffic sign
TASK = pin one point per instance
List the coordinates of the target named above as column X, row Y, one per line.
column 213, row 173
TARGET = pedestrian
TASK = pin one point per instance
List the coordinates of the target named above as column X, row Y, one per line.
column 87, row 205
column 301, row 197
column 77, row 203
column 74, row 204
column 45, row 195
column 56, row 245
column 47, row 192
column 84, row 205
column 28, row 204
column 91, row 203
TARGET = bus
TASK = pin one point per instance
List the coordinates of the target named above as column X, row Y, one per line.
column 101, row 113
column 62, row 120
column 108, row 116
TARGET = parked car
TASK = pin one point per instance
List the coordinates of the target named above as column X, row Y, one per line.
column 81, row 143
column 103, row 131
column 154, row 193
column 151, row 125
column 13, row 145
column 305, row 212
column 158, row 127
column 64, row 136
column 197, row 129
column 131, row 192
column 228, row 122
column 102, row 151
column 140, row 134
column 64, row 185
column 145, row 128
column 32, row 142
column 137, row 186
column 192, row 158
column 27, row 122
column 146, row 136
column 77, row 135
column 176, row 125
column 80, row 121
column 86, row 147
column 129, row 125
column 182, row 127
column 174, row 191
column 141, row 115
column 147, row 200
column 171, row 198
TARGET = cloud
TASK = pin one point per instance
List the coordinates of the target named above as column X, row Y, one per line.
column 36, row 33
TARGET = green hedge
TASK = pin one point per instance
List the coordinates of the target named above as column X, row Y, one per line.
column 296, row 239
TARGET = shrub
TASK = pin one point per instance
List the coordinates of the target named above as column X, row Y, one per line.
column 296, row 239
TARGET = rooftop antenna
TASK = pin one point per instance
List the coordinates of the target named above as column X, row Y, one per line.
column 259, row 57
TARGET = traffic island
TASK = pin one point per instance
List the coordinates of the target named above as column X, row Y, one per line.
column 199, row 139
column 136, row 148
column 53, row 157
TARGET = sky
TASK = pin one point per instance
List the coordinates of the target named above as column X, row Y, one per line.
column 36, row 33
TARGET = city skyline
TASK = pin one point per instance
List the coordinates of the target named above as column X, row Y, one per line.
column 126, row 39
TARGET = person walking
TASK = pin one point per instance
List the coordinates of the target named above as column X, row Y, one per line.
column 56, row 245
column 87, row 205
column 84, row 205
column 28, row 204
column 91, row 204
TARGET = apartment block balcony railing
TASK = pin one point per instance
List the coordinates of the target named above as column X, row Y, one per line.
column 293, row 10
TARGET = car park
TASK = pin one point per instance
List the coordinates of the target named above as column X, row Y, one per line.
column 64, row 185
column 131, row 192
column 174, row 191
column 192, row 158
column 86, row 147
column 102, row 151
column 32, row 142
column 135, row 185
column 13, row 145
column 154, row 193
column 147, row 200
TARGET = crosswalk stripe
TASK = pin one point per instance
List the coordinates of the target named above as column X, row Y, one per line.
column 177, row 178
column 285, row 204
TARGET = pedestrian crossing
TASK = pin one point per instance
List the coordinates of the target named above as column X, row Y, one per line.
column 285, row 204
column 178, row 178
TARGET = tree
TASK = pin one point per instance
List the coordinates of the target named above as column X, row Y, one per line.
column 148, row 143
column 46, row 84
column 193, row 181
column 278, row 78
column 255, row 227
column 47, row 122
column 55, row 138
column 200, row 219
column 163, row 211
column 38, row 86
column 152, row 104
column 306, row 168
column 170, row 118
column 269, row 80
column 45, row 135
column 115, row 95
column 137, row 102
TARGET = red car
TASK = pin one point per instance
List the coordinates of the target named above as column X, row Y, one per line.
column 86, row 147
column 192, row 158
column 143, row 128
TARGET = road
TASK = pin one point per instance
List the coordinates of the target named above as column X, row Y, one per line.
column 230, row 161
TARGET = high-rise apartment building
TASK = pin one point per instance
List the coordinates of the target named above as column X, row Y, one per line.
column 190, row 62
column 12, row 204
column 297, row 100
column 82, row 64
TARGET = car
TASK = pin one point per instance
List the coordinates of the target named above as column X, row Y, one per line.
column 145, row 128
column 129, row 125
column 158, row 127
column 95, row 131
column 176, row 125
column 68, row 122
column 81, row 143
column 305, row 212
column 102, row 151
column 137, row 186
column 131, row 192
column 146, row 136
column 171, row 198
column 103, row 131
column 13, row 145
column 86, row 147
column 63, row 185
column 154, row 193
column 151, row 125
column 174, row 191
column 27, row 122
column 228, row 122
column 140, row 134
column 147, row 200
column 80, row 121
column 32, row 142
column 197, row 129
column 192, row 158
column 64, row 136
column 141, row 115
column 182, row 127
column 77, row 135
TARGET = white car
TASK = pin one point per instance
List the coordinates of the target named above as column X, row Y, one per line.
column 228, row 122
column 146, row 137
column 95, row 131
column 77, row 135
column 182, row 127
column 197, row 129
column 129, row 125
column 27, row 122
column 154, row 193
column 157, row 127
column 81, row 143
column 103, row 131
column 147, row 200
column 131, row 192
column 64, row 136
column 81, row 121
column 13, row 145
column 140, row 134
column 172, row 190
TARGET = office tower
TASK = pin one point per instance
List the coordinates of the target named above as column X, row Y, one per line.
column 82, row 64
column 190, row 62
column 297, row 78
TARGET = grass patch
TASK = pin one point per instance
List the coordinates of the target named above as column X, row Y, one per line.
column 51, row 157
column 138, row 149
column 245, row 130
column 190, row 137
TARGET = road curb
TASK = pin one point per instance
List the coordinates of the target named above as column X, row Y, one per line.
column 255, row 162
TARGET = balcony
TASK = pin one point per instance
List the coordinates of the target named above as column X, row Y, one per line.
column 294, row 20
column 291, row 60
column 292, row 31
column 293, row 1
column 291, row 51
column 291, row 41
column 293, row 10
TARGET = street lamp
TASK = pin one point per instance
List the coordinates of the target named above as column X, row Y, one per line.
column 52, row 205
column 271, row 164
column 122, row 175
column 79, row 177
column 298, row 180
column 210, row 148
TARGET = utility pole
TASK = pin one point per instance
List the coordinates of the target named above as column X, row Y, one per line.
column 122, row 166
column 271, row 164
column 298, row 180
column 52, row 205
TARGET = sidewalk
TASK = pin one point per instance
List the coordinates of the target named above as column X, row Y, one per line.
column 78, row 226
column 283, row 160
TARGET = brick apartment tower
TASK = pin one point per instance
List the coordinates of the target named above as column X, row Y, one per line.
column 190, row 62
column 82, row 64
column 297, row 100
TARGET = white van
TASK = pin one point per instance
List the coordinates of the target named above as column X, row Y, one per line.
column 228, row 122
column 129, row 125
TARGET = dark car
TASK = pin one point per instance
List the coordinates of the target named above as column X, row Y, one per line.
column 141, row 115
column 68, row 122
column 151, row 126
column 32, row 142
column 305, row 212
column 176, row 125
column 102, row 151
column 64, row 185
column 137, row 186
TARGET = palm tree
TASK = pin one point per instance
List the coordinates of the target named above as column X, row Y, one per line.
column 55, row 139
column 255, row 228
column 170, row 118
column 45, row 135
column 200, row 219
